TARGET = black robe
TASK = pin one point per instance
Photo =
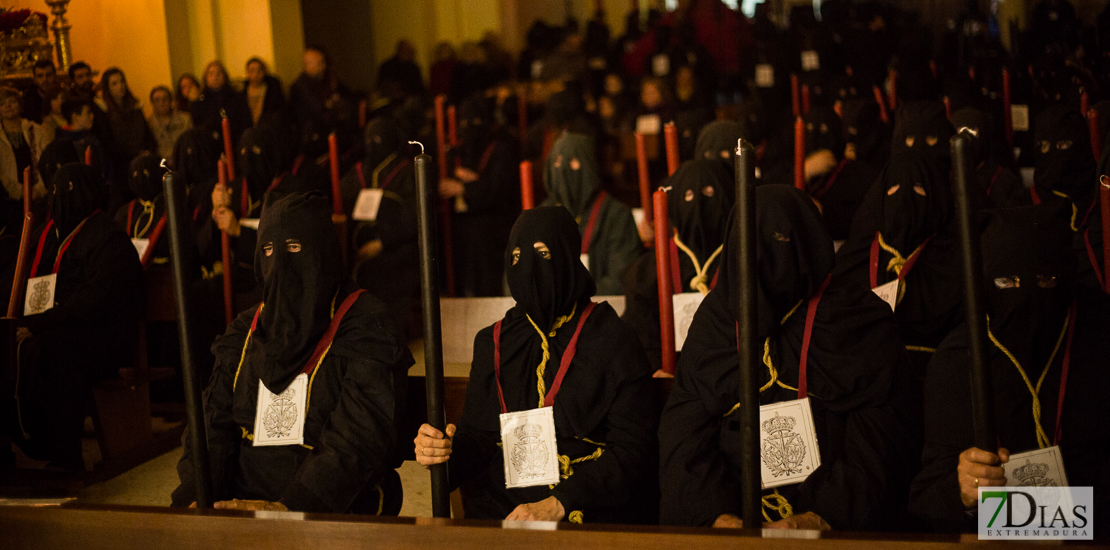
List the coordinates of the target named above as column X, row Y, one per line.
column 857, row 387
column 356, row 393
column 605, row 413
column 1029, row 324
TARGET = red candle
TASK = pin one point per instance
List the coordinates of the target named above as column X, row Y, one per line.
column 805, row 98
column 88, row 156
column 883, row 115
column 527, row 201
column 362, row 114
column 1007, row 114
column 670, row 133
column 441, row 137
column 1084, row 102
column 643, row 178
column 229, row 149
column 26, row 190
column 795, row 98
column 19, row 281
column 800, row 154
column 947, row 107
column 663, row 275
column 333, row 162
column 452, row 126
column 892, row 75
column 225, row 249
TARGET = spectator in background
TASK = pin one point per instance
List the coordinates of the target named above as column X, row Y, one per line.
column 165, row 122
column 21, row 143
column 263, row 91
column 80, row 78
column 188, row 91
column 52, row 118
column 440, row 74
column 218, row 98
column 400, row 75
column 317, row 95
column 44, row 77
column 129, row 132
column 72, row 140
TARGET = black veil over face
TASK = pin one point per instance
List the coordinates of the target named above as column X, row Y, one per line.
column 698, row 205
column 717, row 141
column 195, row 155
column 1029, row 268
column 1064, row 161
column 145, row 176
column 547, row 287
column 383, row 137
column 260, row 159
column 572, row 172
column 77, row 194
column 475, row 128
column 299, row 268
column 923, row 126
column 914, row 201
column 823, row 131
column 794, row 255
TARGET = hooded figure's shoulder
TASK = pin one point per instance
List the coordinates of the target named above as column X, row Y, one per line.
column 369, row 331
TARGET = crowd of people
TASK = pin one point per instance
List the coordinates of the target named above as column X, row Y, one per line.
column 860, row 302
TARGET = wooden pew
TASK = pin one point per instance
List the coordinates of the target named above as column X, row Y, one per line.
column 126, row 527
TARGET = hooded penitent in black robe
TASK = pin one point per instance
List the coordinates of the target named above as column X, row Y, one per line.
column 481, row 228
column 194, row 159
column 717, row 141
column 573, row 181
column 996, row 185
column 910, row 206
column 1063, row 160
column 393, row 275
column 605, row 417
column 90, row 332
column 1088, row 239
column 1023, row 249
column 356, row 392
column 856, row 383
column 140, row 217
column 698, row 203
column 841, row 191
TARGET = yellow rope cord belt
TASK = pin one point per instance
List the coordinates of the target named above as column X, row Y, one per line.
column 148, row 211
column 379, row 168
column 774, row 501
column 1042, row 438
column 922, row 349
column 1074, row 210
column 540, row 386
column 897, row 263
column 701, row 280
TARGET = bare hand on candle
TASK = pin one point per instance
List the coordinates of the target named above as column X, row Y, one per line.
column 662, row 374
column 548, row 509
column 978, row 468
column 819, row 163
column 646, row 231
column 728, row 521
column 227, row 221
column 808, row 520
column 431, row 446
column 221, row 196
column 450, row 188
column 465, row 175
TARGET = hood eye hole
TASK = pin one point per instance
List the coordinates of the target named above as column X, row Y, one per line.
column 268, row 249
column 893, row 189
column 575, row 164
column 708, row 191
column 931, row 140
column 919, row 190
column 824, row 128
column 1004, row 283
column 558, row 161
column 909, row 141
column 1046, row 146
column 516, row 255
column 689, row 195
column 724, row 154
column 780, row 237
column 1063, row 145
column 542, row 250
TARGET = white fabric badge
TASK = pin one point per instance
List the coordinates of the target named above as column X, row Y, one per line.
column 787, row 443
column 638, row 216
column 279, row 419
column 889, row 293
column 249, row 223
column 648, row 124
column 529, row 448
column 140, row 246
column 585, row 260
column 40, row 294
column 661, row 65
column 810, row 61
column 1039, row 468
column 1019, row 118
column 366, row 207
column 765, row 75
column 685, row 306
